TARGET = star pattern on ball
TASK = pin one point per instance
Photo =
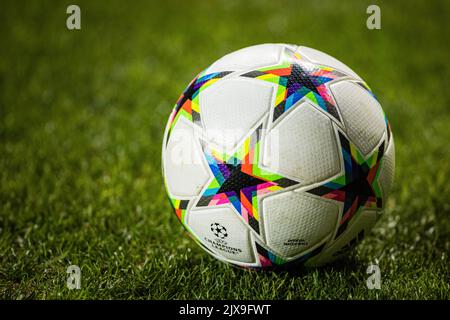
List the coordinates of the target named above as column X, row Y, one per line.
column 296, row 79
column 188, row 104
column 358, row 186
column 180, row 207
column 239, row 180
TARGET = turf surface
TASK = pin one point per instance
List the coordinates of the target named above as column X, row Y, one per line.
column 81, row 122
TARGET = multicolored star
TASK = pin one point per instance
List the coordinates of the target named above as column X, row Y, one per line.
column 188, row 103
column 358, row 186
column 239, row 180
column 180, row 207
column 297, row 78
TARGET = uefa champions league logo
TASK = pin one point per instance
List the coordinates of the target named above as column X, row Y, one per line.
column 218, row 230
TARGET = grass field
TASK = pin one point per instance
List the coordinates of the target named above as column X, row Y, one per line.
column 82, row 115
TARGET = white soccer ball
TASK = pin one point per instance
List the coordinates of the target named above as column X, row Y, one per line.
column 277, row 156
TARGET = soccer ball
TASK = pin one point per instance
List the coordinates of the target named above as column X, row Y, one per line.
column 278, row 155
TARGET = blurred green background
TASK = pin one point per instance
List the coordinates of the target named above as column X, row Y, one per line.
column 82, row 115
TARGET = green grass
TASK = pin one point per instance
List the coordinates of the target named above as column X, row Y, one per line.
column 82, row 115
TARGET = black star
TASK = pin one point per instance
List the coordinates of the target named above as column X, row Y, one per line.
column 238, row 180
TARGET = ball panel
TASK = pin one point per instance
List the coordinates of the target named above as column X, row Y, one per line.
column 295, row 221
column 386, row 178
column 355, row 232
column 184, row 167
column 303, row 146
column 223, row 232
column 322, row 58
column 250, row 57
column 362, row 115
column 231, row 107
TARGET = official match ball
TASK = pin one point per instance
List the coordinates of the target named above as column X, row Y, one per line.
column 278, row 156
